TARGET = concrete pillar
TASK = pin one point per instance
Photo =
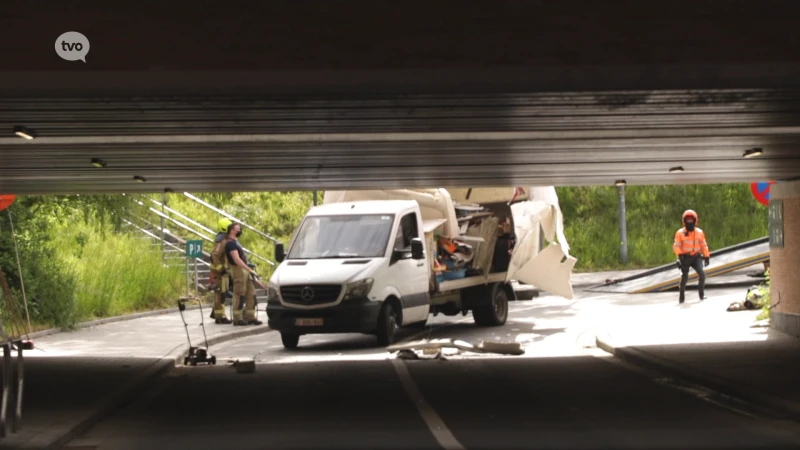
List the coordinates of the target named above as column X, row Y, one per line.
column 785, row 259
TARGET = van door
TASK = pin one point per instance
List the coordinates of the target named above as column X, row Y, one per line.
column 411, row 275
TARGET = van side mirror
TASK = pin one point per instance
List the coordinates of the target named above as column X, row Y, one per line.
column 280, row 253
column 417, row 250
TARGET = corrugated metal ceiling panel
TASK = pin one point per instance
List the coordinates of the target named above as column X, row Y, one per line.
column 236, row 143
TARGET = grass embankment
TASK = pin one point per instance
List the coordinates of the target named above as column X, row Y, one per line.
column 116, row 273
column 728, row 214
column 79, row 263
column 88, row 275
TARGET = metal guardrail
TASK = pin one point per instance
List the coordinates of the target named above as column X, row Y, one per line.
column 224, row 214
column 193, row 231
column 174, row 247
column 191, row 221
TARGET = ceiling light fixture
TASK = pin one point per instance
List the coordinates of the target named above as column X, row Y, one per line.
column 753, row 152
column 24, row 132
column 620, row 183
column 99, row 163
column 676, row 169
column 139, row 179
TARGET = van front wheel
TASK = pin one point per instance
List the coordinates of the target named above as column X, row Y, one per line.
column 387, row 324
column 290, row 340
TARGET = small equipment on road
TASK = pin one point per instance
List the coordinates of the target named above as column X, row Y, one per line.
column 197, row 355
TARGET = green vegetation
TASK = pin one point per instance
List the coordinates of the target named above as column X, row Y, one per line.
column 116, row 273
column 81, row 261
column 40, row 224
column 727, row 213
column 274, row 213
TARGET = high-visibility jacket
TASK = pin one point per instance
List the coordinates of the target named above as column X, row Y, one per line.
column 691, row 242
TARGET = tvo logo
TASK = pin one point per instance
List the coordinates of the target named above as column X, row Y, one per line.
column 72, row 46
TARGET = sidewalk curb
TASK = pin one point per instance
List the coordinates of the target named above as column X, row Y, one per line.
column 57, row 436
column 746, row 393
column 103, row 321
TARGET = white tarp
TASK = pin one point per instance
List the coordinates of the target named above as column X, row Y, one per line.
column 548, row 195
column 550, row 269
column 527, row 217
column 487, row 195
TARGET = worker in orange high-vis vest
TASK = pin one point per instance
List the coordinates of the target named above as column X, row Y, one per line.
column 691, row 249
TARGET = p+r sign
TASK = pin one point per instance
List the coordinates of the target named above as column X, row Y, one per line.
column 194, row 249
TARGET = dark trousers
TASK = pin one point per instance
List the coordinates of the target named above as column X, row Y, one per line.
column 694, row 262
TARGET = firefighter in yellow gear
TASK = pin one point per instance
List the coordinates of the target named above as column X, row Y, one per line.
column 691, row 248
column 243, row 286
column 219, row 271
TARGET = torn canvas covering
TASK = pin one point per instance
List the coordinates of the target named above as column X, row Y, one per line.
column 460, row 220
column 551, row 268
column 547, row 194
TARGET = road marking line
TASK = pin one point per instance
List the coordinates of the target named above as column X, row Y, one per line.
column 435, row 423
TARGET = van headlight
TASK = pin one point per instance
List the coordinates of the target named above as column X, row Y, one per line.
column 358, row 289
column 272, row 293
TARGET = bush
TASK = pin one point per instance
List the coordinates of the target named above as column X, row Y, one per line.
column 49, row 285
column 76, row 265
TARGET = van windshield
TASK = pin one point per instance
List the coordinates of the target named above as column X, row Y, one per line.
column 345, row 236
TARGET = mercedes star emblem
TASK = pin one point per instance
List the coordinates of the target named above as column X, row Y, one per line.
column 307, row 294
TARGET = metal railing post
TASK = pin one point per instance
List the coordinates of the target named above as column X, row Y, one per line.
column 163, row 238
column 623, row 226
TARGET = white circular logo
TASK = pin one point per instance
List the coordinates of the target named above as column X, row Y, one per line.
column 307, row 294
column 72, row 46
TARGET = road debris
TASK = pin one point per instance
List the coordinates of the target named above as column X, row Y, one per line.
column 244, row 365
column 437, row 346
column 753, row 299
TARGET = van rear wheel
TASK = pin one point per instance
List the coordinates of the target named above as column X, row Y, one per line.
column 495, row 313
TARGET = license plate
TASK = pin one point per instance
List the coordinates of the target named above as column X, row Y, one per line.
column 308, row 322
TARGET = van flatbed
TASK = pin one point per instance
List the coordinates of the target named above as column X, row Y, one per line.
column 455, row 285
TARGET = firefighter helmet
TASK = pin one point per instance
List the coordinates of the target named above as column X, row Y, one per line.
column 223, row 224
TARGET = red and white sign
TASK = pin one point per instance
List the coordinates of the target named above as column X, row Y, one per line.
column 6, row 200
column 761, row 191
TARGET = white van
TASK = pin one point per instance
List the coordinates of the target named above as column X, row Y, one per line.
column 363, row 262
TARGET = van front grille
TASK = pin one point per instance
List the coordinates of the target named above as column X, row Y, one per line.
column 312, row 294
